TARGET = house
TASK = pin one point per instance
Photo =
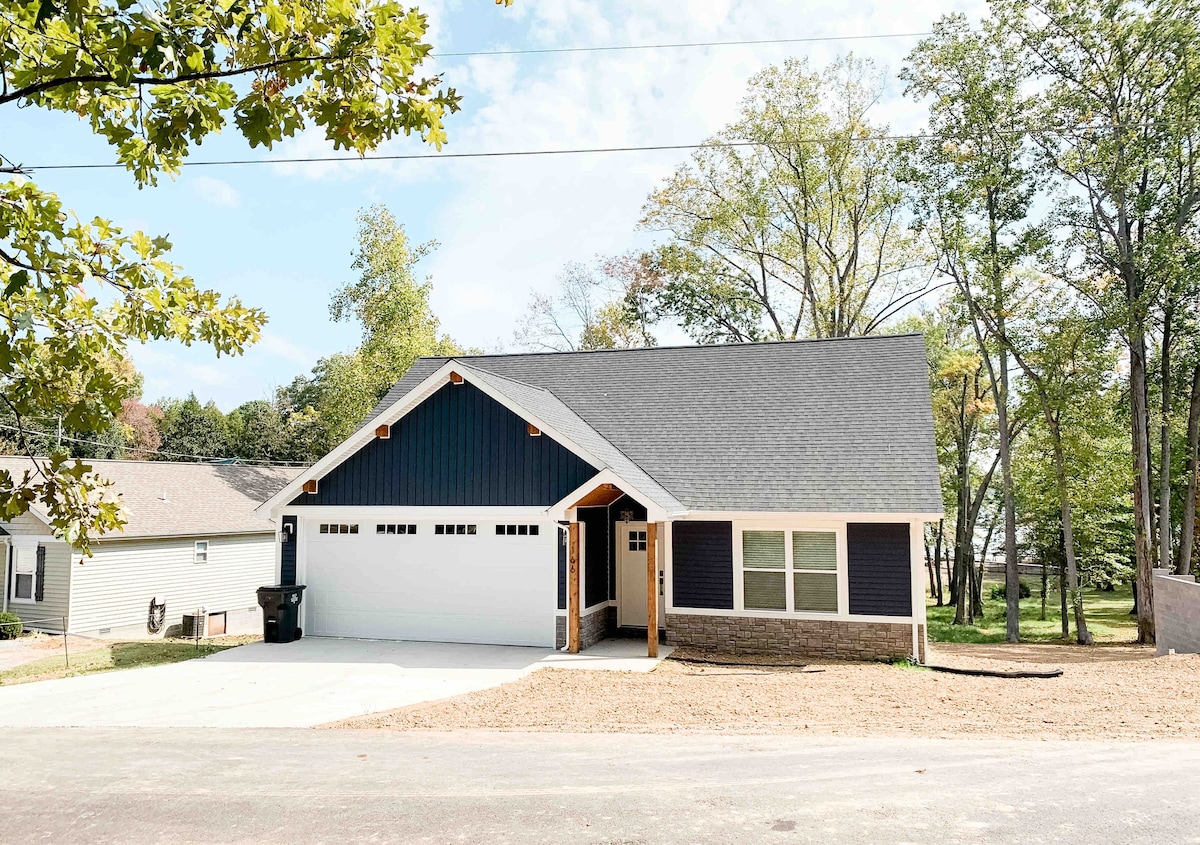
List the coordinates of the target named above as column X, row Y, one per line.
column 754, row 497
column 193, row 542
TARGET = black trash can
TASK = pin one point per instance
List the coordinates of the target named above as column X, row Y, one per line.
column 281, row 612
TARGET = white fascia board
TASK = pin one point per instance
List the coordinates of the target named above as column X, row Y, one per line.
column 396, row 513
column 402, row 406
column 562, row 510
column 833, row 516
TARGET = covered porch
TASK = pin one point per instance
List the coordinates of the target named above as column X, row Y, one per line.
column 615, row 553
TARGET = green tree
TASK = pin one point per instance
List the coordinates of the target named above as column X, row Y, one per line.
column 153, row 80
column 191, row 431
column 975, row 188
column 598, row 306
column 1116, row 87
column 256, row 432
column 398, row 327
column 802, row 234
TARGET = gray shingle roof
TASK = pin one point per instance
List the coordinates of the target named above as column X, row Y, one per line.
column 840, row 425
column 165, row 499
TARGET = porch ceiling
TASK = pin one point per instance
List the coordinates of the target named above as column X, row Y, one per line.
column 600, row 497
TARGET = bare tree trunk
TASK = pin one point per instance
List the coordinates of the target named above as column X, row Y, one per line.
column 1142, row 525
column 1187, row 533
column 937, row 562
column 929, row 567
column 1045, row 586
column 1164, row 447
column 1012, row 575
column 962, row 545
column 1062, row 594
column 1064, row 502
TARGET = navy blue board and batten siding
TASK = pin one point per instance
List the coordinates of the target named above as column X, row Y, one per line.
column 287, row 552
column 702, row 565
column 880, row 577
column 458, row 448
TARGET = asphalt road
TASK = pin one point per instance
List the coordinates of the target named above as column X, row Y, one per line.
column 221, row 785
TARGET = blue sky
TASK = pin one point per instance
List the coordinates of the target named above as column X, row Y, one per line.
column 280, row 236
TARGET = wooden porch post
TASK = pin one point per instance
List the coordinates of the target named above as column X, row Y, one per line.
column 651, row 590
column 573, row 588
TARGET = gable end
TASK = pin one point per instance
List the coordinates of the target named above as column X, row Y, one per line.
column 458, row 448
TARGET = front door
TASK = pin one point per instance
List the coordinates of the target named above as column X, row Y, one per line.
column 631, row 574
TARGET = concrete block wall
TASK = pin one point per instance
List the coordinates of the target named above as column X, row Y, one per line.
column 801, row 637
column 1176, row 612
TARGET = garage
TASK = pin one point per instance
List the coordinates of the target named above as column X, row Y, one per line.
column 465, row 582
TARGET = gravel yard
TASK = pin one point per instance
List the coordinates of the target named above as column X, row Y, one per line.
column 1105, row 693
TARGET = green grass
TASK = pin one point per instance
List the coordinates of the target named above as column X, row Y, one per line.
column 1107, row 616
column 116, row 655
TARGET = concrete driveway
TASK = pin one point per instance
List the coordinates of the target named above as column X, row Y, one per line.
column 299, row 684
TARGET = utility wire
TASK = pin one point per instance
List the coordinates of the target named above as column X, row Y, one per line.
column 810, row 40
column 510, row 153
column 206, row 458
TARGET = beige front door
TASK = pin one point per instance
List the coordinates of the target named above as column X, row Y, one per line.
column 631, row 574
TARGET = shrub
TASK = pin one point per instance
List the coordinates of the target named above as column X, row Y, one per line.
column 1001, row 591
column 10, row 626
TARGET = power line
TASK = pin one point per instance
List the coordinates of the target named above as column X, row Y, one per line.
column 497, row 154
column 207, row 458
column 682, row 45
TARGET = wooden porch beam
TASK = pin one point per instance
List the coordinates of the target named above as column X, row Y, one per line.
column 573, row 588
column 651, row 590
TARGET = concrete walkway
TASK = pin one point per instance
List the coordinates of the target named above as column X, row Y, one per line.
column 178, row 786
column 299, row 684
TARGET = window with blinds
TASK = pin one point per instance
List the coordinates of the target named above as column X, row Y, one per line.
column 805, row 560
column 764, row 570
column 814, row 577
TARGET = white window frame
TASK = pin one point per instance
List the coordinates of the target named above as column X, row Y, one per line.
column 200, row 551
column 838, row 529
column 13, row 598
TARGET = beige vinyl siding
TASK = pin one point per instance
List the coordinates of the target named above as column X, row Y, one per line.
column 56, row 593
column 113, row 589
column 27, row 523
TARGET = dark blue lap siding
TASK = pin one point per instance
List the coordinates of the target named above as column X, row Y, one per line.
column 880, row 580
column 702, row 564
column 458, row 448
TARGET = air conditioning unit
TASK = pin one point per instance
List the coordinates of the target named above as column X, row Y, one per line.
column 193, row 625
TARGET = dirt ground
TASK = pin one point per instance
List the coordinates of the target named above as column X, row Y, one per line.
column 1113, row 692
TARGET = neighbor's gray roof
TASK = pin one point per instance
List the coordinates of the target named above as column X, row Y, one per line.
column 840, row 425
column 166, row 499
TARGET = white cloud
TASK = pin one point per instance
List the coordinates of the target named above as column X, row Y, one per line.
column 281, row 347
column 215, row 191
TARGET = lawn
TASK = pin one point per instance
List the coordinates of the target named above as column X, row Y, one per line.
column 1107, row 615
column 105, row 657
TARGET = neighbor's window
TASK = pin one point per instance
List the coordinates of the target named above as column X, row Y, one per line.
column 200, row 552
column 764, row 565
column 24, row 573
column 808, row 557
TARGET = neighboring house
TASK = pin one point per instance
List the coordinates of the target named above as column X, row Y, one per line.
column 755, row 497
column 193, row 541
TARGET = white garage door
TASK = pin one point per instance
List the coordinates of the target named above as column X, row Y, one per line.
column 438, row 587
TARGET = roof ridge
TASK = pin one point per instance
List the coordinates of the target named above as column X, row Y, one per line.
column 799, row 341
